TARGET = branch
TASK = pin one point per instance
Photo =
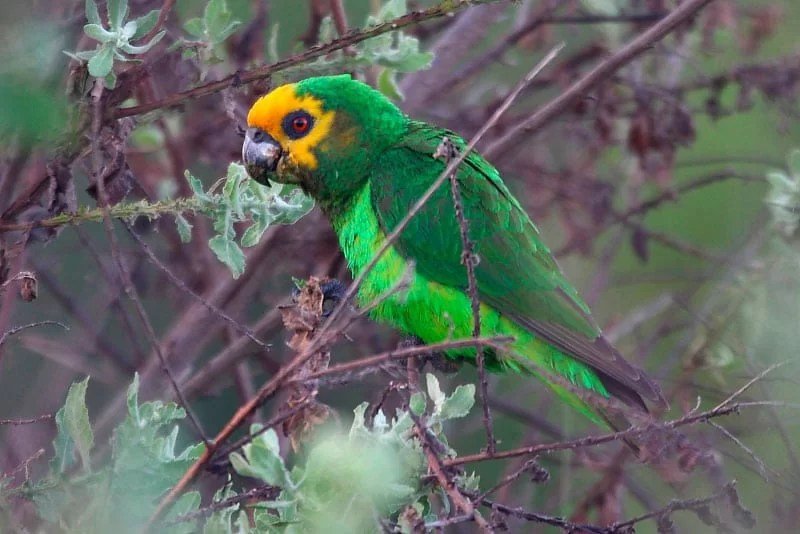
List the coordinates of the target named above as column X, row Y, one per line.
column 240, row 78
column 598, row 74
column 447, row 151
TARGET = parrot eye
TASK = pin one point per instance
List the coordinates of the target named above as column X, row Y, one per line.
column 297, row 124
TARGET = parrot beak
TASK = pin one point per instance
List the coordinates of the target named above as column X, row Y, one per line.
column 261, row 154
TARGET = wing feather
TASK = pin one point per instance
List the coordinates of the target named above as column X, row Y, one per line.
column 516, row 273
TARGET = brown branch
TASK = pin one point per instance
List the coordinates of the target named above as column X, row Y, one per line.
column 15, row 422
column 589, row 441
column 601, row 72
column 166, row 7
column 407, row 352
column 436, row 465
column 447, row 151
column 356, row 36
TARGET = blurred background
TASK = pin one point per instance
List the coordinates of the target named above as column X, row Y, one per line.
column 669, row 194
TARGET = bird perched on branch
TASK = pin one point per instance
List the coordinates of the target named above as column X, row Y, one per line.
column 366, row 163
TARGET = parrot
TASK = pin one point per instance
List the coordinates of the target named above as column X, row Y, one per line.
column 365, row 163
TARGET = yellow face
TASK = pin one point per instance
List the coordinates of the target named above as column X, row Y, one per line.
column 284, row 130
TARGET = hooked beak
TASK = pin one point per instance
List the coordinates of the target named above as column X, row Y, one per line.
column 261, row 154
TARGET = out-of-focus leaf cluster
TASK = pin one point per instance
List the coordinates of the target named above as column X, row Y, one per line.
column 345, row 481
column 120, row 495
column 115, row 41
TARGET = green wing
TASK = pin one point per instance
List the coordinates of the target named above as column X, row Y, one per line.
column 516, row 273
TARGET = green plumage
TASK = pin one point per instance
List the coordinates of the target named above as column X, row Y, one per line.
column 367, row 187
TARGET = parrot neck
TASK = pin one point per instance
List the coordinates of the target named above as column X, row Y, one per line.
column 361, row 237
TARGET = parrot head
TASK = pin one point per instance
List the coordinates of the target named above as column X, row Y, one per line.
column 323, row 134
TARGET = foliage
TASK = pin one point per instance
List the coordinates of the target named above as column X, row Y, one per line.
column 243, row 199
column 115, row 40
column 210, row 31
column 117, row 494
column 393, row 52
column 334, row 486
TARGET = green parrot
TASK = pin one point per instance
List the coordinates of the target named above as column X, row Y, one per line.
column 365, row 163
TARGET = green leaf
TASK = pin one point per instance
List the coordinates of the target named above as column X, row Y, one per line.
column 188, row 502
column 392, row 9
column 132, row 400
column 197, row 187
column 252, row 235
column 92, row 14
column 63, row 445
column 195, row 27
column 229, row 253
column 145, row 23
column 117, row 12
column 139, row 50
column 387, row 84
column 262, row 460
column 76, row 421
column 217, row 20
column 110, row 80
column 98, row 33
column 434, row 391
column 459, row 403
column 128, row 31
column 184, row 228
column 417, row 404
column 101, row 64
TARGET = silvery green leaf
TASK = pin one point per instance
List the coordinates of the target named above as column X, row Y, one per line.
column 195, row 27
column 101, row 63
column 129, row 30
column 138, row 50
column 229, row 253
column 117, row 12
column 261, row 460
column 145, row 23
column 184, row 228
column 92, row 14
column 252, row 235
column 417, row 404
column 391, row 10
column 434, row 392
column 459, row 403
column 387, row 84
column 98, row 33
column 76, row 421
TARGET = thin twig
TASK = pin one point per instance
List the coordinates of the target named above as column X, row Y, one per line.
column 601, row 72
column 240, row 78
column 8, row 333
column 403, row 353
column 166, row 7
column 447, row 484
column 97, row 122
column 15, row 422
column 180, row 284
column 448, row 151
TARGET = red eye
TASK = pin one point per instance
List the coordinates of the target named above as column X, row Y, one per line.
column 297, row 124
column 300, row 124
